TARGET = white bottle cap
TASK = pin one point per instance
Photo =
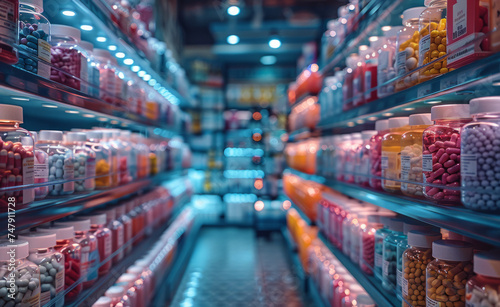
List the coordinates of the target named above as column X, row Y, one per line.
column 416, row 225
column 356, row 136
column 39, row 239
column 452, row 250
column 450, row 111
column 367, row 134
column 21, row 248
column 115, row 292
column 420, row 119
column 345, row 138
column 422, row 238
column 128, row 278
column 87, row 45
column 487, row 263
column 396, row 224
column 142, row 263
column 80, row 224
column 413, row 13
column 485, row 105
column 125, row 133
column 67, row 31
column 94, row 134
column 397, row 122
column 381, row 125
column 51, row 135
column 103, row 301
column 393, row 31
column 63, row 232
column 11, row 113
column 98, row 218
column 135, row 269
column 76, row 137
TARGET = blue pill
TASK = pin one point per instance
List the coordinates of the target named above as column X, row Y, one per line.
column 28, row 67
column 32, row 46
column 59, row 173
column 59, row 163
column 29, row 62
column 26, row 31
column 36, row 34
column 32, row 39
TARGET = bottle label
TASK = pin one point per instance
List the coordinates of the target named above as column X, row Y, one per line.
column 378, row 260
column 404, row 286
column 44, row 298
column 84, row 260
column 424, row 47
column 427, row 163
column 432, row 303
column 59, row 282
column 459, row 20
column 399, row 278
column 8, row 23
column 405, row 171
column 44, row 56
column 368, row 84
column 383, row 61
column 468, row 165
column 28, row 178
column 401, row 63
column 108, row 247
column 69, row 174
column 93, row 262
column 90, row 173
column 42, row 171
column 385, row 268
column 31, row 301
column 84, row 74
column 384, row 163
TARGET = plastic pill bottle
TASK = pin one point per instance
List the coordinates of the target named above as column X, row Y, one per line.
column 122, row 217
column 103, row 159
column 367, row 240
column 104, row 241
column 386, row 69
column 50, row 263
column 118, row 295
column 480, row 149
column 447, row 275
column 483, row 289
column 118, row 233
column 127, row 281
column 389, row 254
column 391, row 150
column 27, row 289
column 61, row 167
column 362, row 158
column 83, row 161
column 415, row 260
column 380, row 235
column 382, row 128
column 411, row 155
column 441, row 152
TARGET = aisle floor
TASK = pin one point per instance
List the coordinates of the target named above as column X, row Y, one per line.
column 231, row 267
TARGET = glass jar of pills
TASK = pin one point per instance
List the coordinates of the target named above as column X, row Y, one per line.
column 386, row 69
column 83, row 161
column 41, row 169
column 66, row 57
column 103, row 158
column 483, row 289
column 382, row 127
column 391, row 150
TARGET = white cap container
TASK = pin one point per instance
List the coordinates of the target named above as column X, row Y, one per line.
column 397, row 122
column 450, row 111
column 412, row 14
column 98, row 219
column 422, row 238
column 127, row 278
column 76, row 137
column 367, row 134
column 420, row 119
column 51, row 135
column 21, row 248
column 63, row 232
column 115, row 292
column 381, row 125
column 94, row 134
column 65, row 31
column 452, row 250
column 487, row 263
column 485, row 105
column 39, row 240
column 11, row 113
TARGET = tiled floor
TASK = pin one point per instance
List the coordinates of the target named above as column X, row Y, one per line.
column 231, row 267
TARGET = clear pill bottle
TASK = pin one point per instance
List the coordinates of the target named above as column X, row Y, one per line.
column 103, row 159
column 382, row 128
column 104, row 241
column 386, row 69
column 389, row 254
column 41, row 172
column 483, row 289
column 66, row 56
column 391, row 151
column 83, row 161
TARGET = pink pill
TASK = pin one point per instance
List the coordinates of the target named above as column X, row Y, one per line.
column 17, row 160
column 436, row 166
column 440, row 153
column 449, row 144
column 454, row 169
column 453, row 178
column 438, row 173
column 426, row 152
column 454, row 184
column 434, row 159
column 452, row 198
column 459, row 142
column 444, row 177
column 444, row 158
column 439, row 144
column 451, row 192
column 449, row 163
column 10, row 160
column 432, row 191
column 453, row 157
column 437, row 182
column 451, row 151
column 429, row 179
column 439, row 195
column 433, row 148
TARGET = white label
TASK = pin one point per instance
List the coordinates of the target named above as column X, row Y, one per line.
column 425, row 45
column 405, row 171
column 401, row 63
column 404, row 287
column 69, row 174
column 468, row 165
column 8, row 23
column 84, row 260
column 108, row 248
column 383, row 60
column 28, row 178
column 90, row 173
column 378, row 260
column 467, row 51
column 41, row 171
column 384, row 162
column 427, row 163
column 44, row 56
column 432, row 303
column 44, row 298
column 399, row 278
column 385, row 268
column 368, row 84
column 59, row 281
column 84, row 74
column 459, row 20
column 423, row 90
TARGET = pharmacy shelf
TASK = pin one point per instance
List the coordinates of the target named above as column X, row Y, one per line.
column 294, row 259
column 89, row 296
column 477, row 79
column 372, row 285
column 50, row 209
column 302, row 134
column 50, row 105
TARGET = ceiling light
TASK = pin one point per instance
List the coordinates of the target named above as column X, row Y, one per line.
column 408, row 109
column 128, row 61
column 350, row 124
column 152, row 82
column 363, row 47
column 233, row 39
column 101, row 39
column 146, row 77
column 114, row 122
column 373, row 38
column 86, row 27
column 88, row 115
column 233, row 10
column 386, row 28
column 112, row 47
column 136, row 68
column 268, row 60
column 71, row 112
column 274, row 43
column 49, row 106
column 102, row 119
column 20, row 98
column 433, row 102
column 120, row 55
column 141, row 74
column 388, row 114
column 121, row 75
column 360, row 121
column 372, row 118
column 68, row 13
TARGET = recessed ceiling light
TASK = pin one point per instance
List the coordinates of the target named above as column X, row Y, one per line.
column 360, row 121
column 350, row 124
column 120, row 55
column 121, row 75
column 152, row 82
column 49, row 106
column 112, row 47
column 363, row 47
column 128, row 61
column 20, row 98
column 386, row 28
column 233, row 10
column 136, row 68
column 388, row 114
column 114, row 122
column 88, row 115
column 101, row 39
column 274, row 43
column 72, row 112
column 146, row 77
column 372, row 118
column 268, row 60
column 233, row 39
column 86, row 27
column 102, row 119
column 373, row 38
column 433, row 102
column 408, row 109
column 68, row 13
column 141, row 74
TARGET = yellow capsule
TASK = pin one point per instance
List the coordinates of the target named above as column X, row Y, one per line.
column 442, row 54
column 425, row 61
column 437, row 65
column 424, row 32
column 434, row 47
column 442, row 24
column 414, row 46
column 434, row 54
column 433, row 59
column 442, row 33
column 443, row 41
column 434, row 71
column 443, row 70
column 403, row 46
column 426, row 54
column 451, row 69
column 434, row 33
column 434, row 25
column 427, row 73
column 445, row 63
column 441, row 48
column 416, row 34
column 437, row 40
